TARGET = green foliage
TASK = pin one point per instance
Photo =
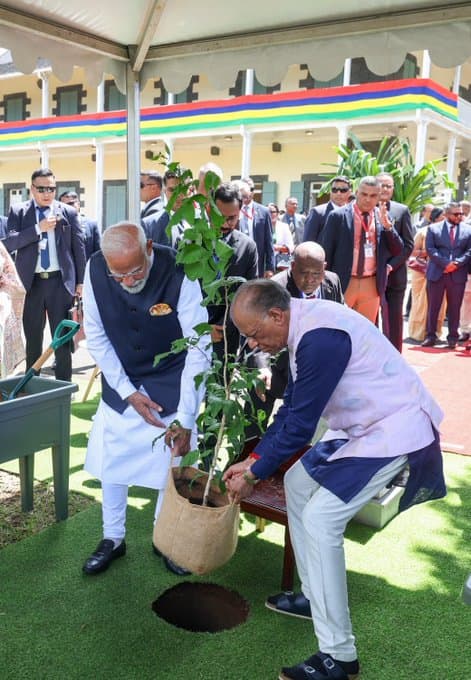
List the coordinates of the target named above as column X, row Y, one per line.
column 412, row 187
column 205, row 256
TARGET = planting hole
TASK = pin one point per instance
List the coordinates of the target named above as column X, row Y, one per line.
column 201, row 607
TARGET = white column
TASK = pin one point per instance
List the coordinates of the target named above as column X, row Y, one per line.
column 246, row 151
column 45, row 112
column 426, row 65
column 347, row 72
column 133, row 144
column 456, row 80
column 249, row 78
column 421, row 143
column 343, row 134
column 450, row 166
column 100, row 161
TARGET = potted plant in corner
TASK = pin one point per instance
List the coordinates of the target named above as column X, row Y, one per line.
column 197, row 527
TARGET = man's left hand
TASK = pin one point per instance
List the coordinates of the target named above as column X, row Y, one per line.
column 178, row 439
column 237, row 487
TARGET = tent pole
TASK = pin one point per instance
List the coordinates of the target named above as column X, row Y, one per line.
column 133, row 143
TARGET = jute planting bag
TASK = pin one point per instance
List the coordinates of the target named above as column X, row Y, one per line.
column 197, row 538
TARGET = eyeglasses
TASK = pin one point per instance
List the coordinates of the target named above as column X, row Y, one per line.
column 135, row 274
column 387, row 186
column 44, row 190
column 274, row 212
column 459, row 214
column 148, row 184
column 343, row 190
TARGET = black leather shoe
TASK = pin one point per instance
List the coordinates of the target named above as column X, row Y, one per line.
column 429, row 342
column 464, row 337
column 101, row 559
column 174, row 568
column 321, row 667
column 292, row 604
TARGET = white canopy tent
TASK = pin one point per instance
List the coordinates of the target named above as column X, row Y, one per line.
column 174, row 39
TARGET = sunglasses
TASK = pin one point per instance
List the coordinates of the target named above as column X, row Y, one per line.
column 459, row 214
column 148, row 184
column 343, row 190
column 44, row 190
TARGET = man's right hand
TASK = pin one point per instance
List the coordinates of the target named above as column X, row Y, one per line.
column 145, row 407
column 48, row 223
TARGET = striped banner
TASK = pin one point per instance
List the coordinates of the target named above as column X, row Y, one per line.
column 307, row 106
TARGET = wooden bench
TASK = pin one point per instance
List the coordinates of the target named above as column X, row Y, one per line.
column 268, row 502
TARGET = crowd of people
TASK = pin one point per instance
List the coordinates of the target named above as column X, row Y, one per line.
column 335, row 301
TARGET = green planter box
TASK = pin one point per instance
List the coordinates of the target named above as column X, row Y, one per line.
column 38, row 420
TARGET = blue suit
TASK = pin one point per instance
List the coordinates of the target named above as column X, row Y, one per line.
column 91, row 236
column 155, row 226
column 53, row 295
column 441, row 251
column 263, row 237
column 315, row 221
column 337, row 239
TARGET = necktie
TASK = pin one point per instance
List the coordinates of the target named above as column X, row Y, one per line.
column 452, row 234
column 44, row 248
column 365, row 218
column 244, row 222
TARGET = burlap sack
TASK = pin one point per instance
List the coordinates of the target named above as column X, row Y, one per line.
column 197, row 538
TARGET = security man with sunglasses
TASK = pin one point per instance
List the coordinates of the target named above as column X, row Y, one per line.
column 340, row 194
column 50, row 259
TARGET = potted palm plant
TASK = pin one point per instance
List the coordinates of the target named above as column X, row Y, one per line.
column 197, row 527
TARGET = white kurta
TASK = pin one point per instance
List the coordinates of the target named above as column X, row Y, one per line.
column 120, row 448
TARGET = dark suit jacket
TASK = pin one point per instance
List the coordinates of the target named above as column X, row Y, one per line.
column 242, row 263
column 152, row 207
column 402, row 221
column 330, row 286
column 315, row 221
column 155, row 225
column 3, row 226
column 91, row 235
column 337, row 241
column 263, row 237
column 23, row 238
column 441, row 252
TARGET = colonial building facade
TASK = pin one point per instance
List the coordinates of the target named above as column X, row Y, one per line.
column 283, row 136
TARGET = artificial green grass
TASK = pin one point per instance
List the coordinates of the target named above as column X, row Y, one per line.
column 404, row 582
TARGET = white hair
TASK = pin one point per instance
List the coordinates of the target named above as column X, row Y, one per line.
column 123, row 236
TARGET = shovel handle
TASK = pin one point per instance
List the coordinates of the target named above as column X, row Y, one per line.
column 61, row 338
column 42, row 359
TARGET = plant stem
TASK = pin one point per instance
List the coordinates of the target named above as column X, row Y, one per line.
column 227, row 392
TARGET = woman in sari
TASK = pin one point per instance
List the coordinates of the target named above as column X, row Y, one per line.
column 12, row 295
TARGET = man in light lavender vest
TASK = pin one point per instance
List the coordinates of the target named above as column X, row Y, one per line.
column 382, row 421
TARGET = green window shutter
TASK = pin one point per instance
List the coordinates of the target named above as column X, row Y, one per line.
column 13, row 109
column 269, row 191
column 115, row 204
column 296, row 190
column 69, row 103
column 117, row 99
column 3, row 207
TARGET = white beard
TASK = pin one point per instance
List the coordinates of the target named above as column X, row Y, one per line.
column 136, row 288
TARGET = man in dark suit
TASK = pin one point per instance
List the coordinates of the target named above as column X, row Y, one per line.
column 359, row 241
column 448, row 246
column 244, row 262
column 255, row 221
column 155, row 225
column 340, row 192
column 3, row 226
column 392, row 302
column 90, row 231
column 50, row 259
column 151, row 193
column 306, row 278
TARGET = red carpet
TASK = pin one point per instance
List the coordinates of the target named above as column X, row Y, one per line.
column 447, row 374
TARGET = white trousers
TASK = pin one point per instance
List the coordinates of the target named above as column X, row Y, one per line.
column 317, row 520
column 115, row 500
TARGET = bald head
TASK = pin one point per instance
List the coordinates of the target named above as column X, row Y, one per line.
column 308, row 266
